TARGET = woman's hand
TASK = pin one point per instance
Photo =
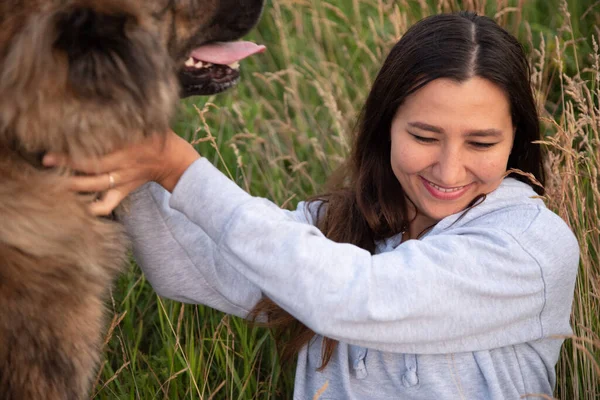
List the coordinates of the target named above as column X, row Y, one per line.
column 157, row 158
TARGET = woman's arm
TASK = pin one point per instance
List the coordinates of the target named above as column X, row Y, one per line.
column 477, row 288
column 179, row 259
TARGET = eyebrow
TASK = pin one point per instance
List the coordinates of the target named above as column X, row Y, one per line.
column 477, row 132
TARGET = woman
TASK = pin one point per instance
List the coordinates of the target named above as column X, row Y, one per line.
column 434, row 270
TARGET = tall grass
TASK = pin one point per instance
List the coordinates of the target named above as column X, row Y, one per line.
column 288, row 125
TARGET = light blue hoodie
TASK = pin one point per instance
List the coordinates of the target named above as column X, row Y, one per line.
column 476, row 309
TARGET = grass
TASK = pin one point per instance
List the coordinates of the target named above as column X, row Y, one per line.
column 287, row 126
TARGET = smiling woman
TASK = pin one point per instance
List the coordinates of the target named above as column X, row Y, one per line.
column 375, row 305
column 450, row 142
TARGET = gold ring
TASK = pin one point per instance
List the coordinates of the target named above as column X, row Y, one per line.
column 111, row 181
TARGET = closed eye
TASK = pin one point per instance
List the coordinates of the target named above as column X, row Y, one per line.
column 480, row 145
column 423, row 139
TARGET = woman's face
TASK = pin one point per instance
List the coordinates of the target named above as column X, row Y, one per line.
column 450, row 142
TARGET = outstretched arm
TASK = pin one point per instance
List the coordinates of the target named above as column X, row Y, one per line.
column 473, row 288
column 179, row 259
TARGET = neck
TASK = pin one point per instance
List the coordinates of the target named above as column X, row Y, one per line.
column 418, row 225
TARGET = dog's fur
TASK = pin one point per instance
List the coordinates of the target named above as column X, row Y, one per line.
column 85, row 78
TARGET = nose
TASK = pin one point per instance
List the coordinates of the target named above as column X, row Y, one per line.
column 236, row 17
column 450, row 169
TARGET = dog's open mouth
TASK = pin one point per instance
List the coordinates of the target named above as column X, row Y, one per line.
column 214, row 67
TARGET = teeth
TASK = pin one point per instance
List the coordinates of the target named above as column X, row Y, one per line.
column 192, row 62
column 443, row 190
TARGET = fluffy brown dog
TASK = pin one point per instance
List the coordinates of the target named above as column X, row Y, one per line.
column 83, row 77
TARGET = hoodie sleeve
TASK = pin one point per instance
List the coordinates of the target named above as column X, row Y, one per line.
column 472, row 288
column 179, row 260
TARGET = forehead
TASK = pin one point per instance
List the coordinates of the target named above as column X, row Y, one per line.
column 476, row 101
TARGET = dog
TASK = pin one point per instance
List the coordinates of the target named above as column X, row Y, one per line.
column 85, row 78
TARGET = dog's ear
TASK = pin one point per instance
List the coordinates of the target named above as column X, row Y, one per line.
column 107, row 52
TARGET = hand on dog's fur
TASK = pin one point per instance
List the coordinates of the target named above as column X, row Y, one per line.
column 157, row 158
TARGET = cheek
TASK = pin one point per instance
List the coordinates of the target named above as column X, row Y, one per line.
column 491, row 169
column 406, row 158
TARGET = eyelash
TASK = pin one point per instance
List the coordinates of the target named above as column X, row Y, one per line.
column 433, row 140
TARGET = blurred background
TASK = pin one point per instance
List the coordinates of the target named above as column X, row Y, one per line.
column 287, row 126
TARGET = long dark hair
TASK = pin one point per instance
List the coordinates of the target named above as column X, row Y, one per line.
column 365, row 202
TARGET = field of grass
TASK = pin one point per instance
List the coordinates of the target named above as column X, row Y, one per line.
column 287, row 126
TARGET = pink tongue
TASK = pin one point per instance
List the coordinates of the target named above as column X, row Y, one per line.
column 227, row 52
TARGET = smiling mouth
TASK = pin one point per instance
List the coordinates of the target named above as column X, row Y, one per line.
column 447, row 190
column 443, row 193
column 214, row 67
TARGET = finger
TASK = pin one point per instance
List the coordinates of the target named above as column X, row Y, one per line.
column 96, row 183
column 117, row 159
column 90, row 165
column 108, row 203
column 55, row 160
column 113, row 198
column 102, row 165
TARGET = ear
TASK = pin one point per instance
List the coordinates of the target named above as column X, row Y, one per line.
column 84, row 31
column 107, row 51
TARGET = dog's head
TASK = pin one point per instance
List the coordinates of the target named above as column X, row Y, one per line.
column 86, row 76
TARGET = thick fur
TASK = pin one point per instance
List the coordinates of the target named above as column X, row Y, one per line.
column 82, row 77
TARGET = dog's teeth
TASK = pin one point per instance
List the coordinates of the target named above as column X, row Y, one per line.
column 198, row 64
column 235, row 65
column 207, row 65
column 189, row 62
